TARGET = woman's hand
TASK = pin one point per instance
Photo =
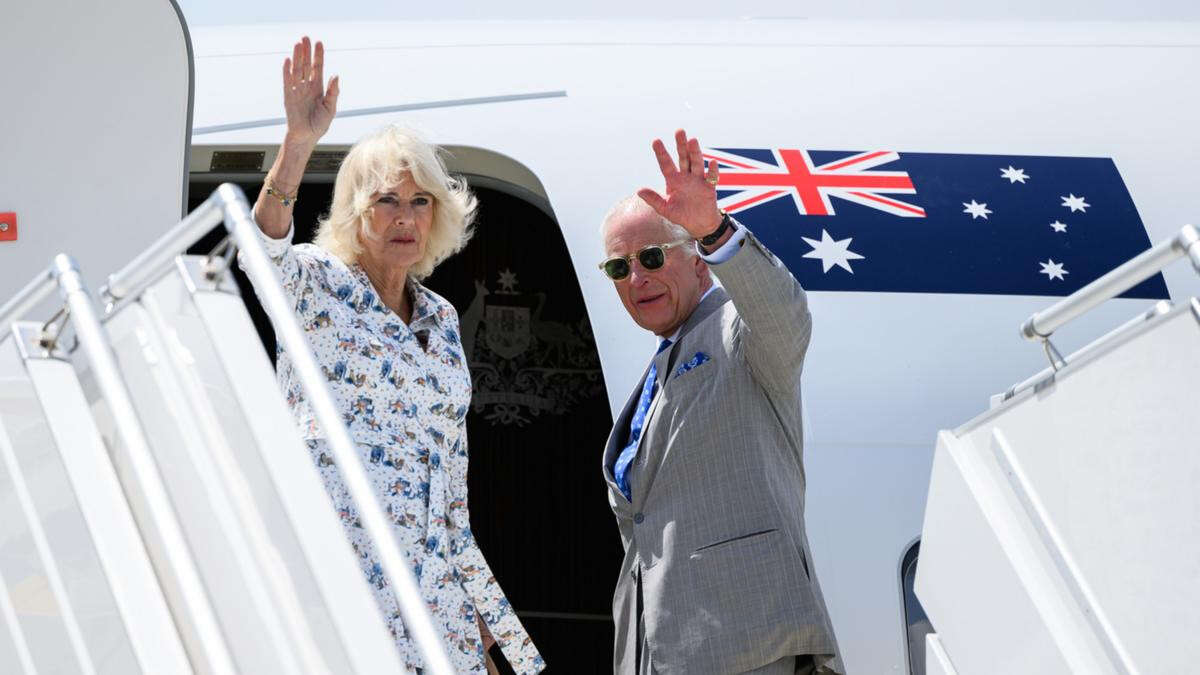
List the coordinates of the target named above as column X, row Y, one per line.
column 310, row 108
column 488, row 641
column 309, row 104
column 691, row 199
column 484, row 633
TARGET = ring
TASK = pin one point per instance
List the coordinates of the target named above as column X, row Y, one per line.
column 713, row 181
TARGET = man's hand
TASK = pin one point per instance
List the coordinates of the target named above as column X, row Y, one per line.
column 309, row 105
column 691, row 199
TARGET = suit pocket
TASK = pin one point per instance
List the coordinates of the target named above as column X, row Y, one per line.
column 692, row 364
column 742, row 584
column 732, row 540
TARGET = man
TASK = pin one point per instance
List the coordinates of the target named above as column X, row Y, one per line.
column 704, row 463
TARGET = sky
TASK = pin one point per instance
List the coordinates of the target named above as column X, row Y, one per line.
column 224, row 12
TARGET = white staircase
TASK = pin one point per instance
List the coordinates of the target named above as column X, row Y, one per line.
column 162, row 514
column 1062, row 529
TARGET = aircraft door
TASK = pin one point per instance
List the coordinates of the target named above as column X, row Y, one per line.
column 96, row 119
column 537, row 427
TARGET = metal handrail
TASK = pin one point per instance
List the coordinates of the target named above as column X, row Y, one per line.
column 365, row 639
column 246, row 543
column 1042, row 325
column 28, row 297
column 152, row 262
column 50, row 569
column 1160, row 308
column 228, row 204
column 152, row 505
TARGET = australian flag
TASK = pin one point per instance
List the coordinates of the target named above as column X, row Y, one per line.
column 936, row 223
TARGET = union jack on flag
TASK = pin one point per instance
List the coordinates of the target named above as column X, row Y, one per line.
column 746, row 181
column 922, row 222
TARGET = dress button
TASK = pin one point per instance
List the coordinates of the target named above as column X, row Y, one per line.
column 638, row 517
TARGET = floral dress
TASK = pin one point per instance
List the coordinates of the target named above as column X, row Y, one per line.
column 403, row 390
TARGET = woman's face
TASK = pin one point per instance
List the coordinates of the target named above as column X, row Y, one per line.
column 400, row 220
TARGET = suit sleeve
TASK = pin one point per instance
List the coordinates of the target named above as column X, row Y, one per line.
column 773, row 326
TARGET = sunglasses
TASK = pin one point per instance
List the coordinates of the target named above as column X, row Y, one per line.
column 651, row 257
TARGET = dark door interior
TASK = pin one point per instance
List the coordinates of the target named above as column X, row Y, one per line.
column 537, row 425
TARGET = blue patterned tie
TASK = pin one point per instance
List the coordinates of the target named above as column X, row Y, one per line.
column 621, row 467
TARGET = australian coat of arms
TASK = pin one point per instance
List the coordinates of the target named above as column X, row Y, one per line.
column 522, row 365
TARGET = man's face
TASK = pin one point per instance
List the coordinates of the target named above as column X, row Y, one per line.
column 658, row 300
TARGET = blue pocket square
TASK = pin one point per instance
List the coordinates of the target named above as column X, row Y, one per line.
column 699, row 359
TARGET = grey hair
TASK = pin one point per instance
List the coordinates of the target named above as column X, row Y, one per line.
column 374, row 165
column 635, row 204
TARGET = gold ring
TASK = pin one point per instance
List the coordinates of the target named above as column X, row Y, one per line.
column 713, row 181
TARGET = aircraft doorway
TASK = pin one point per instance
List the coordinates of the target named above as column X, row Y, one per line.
column 538, row 421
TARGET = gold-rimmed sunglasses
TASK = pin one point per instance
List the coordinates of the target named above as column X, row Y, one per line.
column 651, row 257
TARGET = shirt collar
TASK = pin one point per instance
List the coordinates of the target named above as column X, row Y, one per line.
column 425, row 308
column 425, row 304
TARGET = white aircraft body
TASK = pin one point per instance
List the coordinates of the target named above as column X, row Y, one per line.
column 113, row 126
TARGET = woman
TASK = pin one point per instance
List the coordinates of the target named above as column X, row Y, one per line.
column 390, row 349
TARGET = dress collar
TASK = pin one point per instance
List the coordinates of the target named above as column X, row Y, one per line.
column 425, row 304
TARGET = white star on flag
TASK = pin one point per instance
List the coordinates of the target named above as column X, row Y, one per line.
column 976, row 210
column 1059, row 227
column 1075, row 203
column 1014, row 175
column 831, row 252
column 1053, row 270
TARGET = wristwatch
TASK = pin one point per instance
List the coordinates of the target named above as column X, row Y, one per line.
column 726, row 224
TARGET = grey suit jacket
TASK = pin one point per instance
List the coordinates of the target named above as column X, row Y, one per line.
column 716, row 527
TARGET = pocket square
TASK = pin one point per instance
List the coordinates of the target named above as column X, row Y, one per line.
column 699, row 359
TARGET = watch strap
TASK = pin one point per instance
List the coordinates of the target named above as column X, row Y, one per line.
column 715, row 236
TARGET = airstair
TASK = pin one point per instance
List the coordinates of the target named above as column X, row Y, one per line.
column 162, row 514
column 1062, row 528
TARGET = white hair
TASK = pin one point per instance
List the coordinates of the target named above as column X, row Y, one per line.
column 374, row 165
column 634, row 204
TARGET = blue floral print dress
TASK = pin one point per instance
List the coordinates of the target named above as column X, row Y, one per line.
column 403, row 390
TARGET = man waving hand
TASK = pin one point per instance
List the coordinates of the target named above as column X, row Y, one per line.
column 705, row 462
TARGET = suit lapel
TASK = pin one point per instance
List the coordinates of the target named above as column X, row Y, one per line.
column 662, row 364
column 710, row 304
column 655, row 451
column 619, row 435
